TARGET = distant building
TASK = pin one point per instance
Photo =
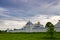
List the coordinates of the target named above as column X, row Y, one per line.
column 30, row 27
column 57, row 26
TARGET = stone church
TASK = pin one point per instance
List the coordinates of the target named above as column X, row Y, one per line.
column 30, row 27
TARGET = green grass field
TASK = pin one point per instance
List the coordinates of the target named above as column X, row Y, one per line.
column 28, row 36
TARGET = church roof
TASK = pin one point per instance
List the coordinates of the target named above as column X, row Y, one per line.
column 29, row 23
column 58, row 24
column 38, row 24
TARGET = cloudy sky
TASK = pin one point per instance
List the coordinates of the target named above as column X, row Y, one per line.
column 15, row 13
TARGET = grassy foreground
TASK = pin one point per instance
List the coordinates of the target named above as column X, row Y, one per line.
column 28, row 36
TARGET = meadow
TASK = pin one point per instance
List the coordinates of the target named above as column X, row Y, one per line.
column 28, row 36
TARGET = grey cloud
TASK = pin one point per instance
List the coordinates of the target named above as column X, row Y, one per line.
column 19, row 8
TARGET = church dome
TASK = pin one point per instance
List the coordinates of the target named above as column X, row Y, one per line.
column 38, row 23
column 29, row 23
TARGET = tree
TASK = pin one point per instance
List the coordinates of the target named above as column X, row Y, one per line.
column 50, row 29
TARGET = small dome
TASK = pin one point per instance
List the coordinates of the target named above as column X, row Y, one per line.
column 38, row 23
column 29, row 23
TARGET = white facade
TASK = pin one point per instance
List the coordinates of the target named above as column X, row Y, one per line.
column 57, row 26
column 30, row 27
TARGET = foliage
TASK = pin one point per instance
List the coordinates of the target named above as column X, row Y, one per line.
column 2, row 31
column 50, row 29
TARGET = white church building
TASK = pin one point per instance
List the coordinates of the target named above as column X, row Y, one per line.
column 30, row 27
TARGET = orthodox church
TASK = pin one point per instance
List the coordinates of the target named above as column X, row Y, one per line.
column 30, row 27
